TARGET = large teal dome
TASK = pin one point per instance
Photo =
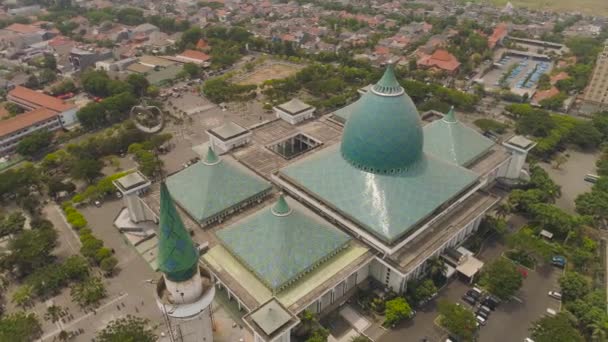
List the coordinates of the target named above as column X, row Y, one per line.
column 383, row 134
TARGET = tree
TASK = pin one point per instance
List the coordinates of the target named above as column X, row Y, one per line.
column 75, row 268
column 585, row 135
column 23, row 296
column 20, row 326
column 89, row 292
column 555, row 329
column 574, row 285
column 319, row 335
column 11, row 224
column 53, row 313
column 128, row 329
column 13, row 109
column 436, row 266
column 29, row 250
column 139, row 84
column 108, row 265
column 87, row 169
column 457, row 320
column 34, row 143
column 360, row 338
column 502, row 278
column 32, row 82
column 397, row 310
column 191, row 69
column 425, row 290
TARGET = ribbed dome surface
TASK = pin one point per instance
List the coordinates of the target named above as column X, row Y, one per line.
column 383, row 134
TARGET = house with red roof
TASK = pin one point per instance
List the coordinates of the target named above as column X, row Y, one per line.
column 440, row 60
column 541, row 95
column 500, row 32
column 193, row 56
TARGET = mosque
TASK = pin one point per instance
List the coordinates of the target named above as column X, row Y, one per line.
column 368, row 197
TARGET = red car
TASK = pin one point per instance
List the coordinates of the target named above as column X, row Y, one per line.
column 65, row 96
column 524, row 273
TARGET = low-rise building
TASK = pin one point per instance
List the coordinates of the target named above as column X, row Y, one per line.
column 30, row 99
column 294, row 111
column 13, row 130
column 227, row 137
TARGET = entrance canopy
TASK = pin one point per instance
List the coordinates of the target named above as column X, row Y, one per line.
column 470, row 266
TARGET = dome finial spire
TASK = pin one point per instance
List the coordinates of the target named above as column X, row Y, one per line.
column 388, row 84
column 281, row 208
column 450, row 117
column 211, row 158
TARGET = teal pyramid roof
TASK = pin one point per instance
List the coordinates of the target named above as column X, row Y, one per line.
column 206, row 190
column 177, row 256
column 280, row 249
column 383, row 134
column 452, row 141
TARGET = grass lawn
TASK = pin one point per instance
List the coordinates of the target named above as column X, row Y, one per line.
column 591, row 7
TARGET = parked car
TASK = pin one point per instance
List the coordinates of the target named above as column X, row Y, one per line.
column 475, row 293
column 485, row 309
column 468, row 299
column 555, row 294
column 481, row 320
column 491, row 302
column 559, row 261
column 551, row 312
column 97, row 203
column 483, row 314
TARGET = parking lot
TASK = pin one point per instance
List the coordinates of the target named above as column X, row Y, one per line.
column 509, row 322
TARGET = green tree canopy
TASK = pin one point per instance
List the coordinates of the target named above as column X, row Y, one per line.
column 128, row 329
column 502, row 278
column 11, row 224
column 574, row 285
column 29, row 250
column 397, row 310
column 458, row 320
column 88, row 292
column 87, row 169
column 34, row 143
column 555, row 329
column 20, row 326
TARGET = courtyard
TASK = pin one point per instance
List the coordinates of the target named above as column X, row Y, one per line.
column 268, row 71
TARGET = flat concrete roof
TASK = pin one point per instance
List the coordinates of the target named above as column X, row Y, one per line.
column 294, row 107
column 270, row 317
column 520, row 141
column 227, row 131
column 132, row 180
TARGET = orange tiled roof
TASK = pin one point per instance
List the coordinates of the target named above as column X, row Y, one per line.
column 545, row 94
column 40, row 99
column 24, row 120
column 193, row 54
column 440, row 59
column 22, row 28
column 499, row 33
column 561, row 76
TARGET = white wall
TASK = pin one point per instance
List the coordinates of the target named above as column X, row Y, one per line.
column 294, row 119
column 69, row 117
column 185, row 292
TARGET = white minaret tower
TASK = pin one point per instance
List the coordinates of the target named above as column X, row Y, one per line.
column 185, row 291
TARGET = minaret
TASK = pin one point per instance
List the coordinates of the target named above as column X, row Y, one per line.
column 185, row 290
column 450, row 117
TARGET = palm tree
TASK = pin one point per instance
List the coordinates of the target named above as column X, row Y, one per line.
column 598, row 334
column 53, row 313
column 436, row 266
column 503, row 210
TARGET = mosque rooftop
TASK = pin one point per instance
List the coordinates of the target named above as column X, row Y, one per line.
column 386, row 205
column 281, row 243
column 453, row 141
column 214, row 185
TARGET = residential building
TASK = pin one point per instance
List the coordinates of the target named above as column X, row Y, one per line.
column 14, row 129
column 30, row 99
column 440, row 60
column 597, row 91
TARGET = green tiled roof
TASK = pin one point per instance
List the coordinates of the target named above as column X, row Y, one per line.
column 450, row 140
column 383, row 134
column 279, row 249
column 388, row 206
column 206, row 190
column 177, row 256
column 345, row 112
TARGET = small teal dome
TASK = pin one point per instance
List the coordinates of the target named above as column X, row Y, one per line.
column 384, row 134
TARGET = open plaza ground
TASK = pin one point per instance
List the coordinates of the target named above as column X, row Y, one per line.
column 269, row 71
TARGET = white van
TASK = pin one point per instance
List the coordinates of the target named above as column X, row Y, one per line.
column 551, row 312
column 481, row 320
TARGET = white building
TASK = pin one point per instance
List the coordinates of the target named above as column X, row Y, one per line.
column 227, row 137
column 294, row 111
